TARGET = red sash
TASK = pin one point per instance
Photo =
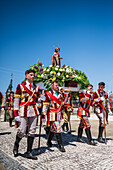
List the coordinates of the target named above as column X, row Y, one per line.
column 28, row 104
column 29, row 91
column 56, row 100
column 11, row 99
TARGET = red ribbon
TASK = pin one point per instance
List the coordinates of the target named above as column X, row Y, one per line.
column 56, row 100
column 28, row 104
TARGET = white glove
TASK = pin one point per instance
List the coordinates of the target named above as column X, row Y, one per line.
column 110, row 112
column 2, row 109
column 102, row 98
column 39, row 100
column 42, row 97
column 43, row 120
column 17, row 118
column 98, row 99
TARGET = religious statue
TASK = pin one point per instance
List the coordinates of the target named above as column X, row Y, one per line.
column 56, row 58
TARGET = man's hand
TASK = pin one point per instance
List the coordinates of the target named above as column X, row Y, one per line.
column 43, row 120
column 102, row 98
column 17, row 118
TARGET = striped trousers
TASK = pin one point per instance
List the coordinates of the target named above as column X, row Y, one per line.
column 55, row 127
column 84, row 122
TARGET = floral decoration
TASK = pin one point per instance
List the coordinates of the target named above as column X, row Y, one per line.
column 63, row 74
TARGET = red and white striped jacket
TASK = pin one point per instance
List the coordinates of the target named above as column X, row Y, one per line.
column 52, row 106
column 26, row 99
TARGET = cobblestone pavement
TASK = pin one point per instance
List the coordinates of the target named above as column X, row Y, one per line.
column 78, row 156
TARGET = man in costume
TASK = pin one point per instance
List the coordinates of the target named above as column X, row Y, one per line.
column 10, row 106
column 83, row 113
column 68, row 108
column 100, row 105
column 56, row 58
column 110, row 106
column 25, row 106
column 1, row 102
column 52, row 107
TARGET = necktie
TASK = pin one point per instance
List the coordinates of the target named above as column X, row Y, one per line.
column 30, row 86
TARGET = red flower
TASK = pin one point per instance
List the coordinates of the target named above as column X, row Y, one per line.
column 35, row 67
column 40, row 63
column 41, row 69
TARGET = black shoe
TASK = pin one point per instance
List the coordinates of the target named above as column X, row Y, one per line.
column 69, row 132
column 47, row 129
column 61, row 148
column 101, row 129
column 88, row 134
column 50, row 136
column 59, row 140
column 16, row 146
column 10, row 122
column 29, row 148
column 49, row 144
column 15, row 151
column 80, row 132
column 80, row 140
column 101, row 140
column 29, row 155
column 92, row 143
column 63, row 127
column 67, row 129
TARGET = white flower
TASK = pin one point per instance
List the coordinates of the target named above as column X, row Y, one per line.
column 63, row 69
column 70, row 71
column 51, row 72
column 56, row 69
column 42, row 75
column 58, row 74
column 67, row 76
column 60, row 69
column 48, row 69
column 67, row 70
column 75, row 76
column 57, row 66
column 44, row 69
column 50, row 66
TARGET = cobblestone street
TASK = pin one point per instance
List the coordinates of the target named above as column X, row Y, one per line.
column 78, row 156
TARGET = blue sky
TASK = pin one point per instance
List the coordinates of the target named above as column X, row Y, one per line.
column 31, row 29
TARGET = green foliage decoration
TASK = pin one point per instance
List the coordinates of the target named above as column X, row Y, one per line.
column 63, row 74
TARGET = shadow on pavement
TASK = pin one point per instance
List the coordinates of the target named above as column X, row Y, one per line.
column 67, row 140
column 5, row 133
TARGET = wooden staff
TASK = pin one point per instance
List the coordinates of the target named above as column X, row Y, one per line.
column 69, row 120
column 104, row 121
column 40, row 126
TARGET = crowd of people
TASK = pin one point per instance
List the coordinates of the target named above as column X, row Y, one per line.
column 53, row 106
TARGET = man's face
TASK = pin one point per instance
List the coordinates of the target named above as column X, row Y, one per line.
column 90, row 88
column 101, row 87
column 30, row 77
column 55, row 86
column 12, row 94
